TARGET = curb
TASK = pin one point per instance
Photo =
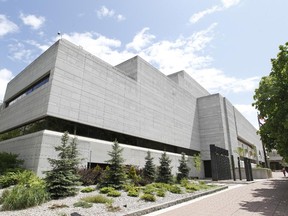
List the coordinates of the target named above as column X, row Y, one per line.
column 172, row 203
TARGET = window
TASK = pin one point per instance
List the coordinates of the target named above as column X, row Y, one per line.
column 27, row 91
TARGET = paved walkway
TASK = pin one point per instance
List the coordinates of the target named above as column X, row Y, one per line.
column 265, row 198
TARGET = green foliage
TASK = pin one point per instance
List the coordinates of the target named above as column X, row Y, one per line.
column 63, row 179
column 18, row 177
column 197, row 161
column 116, row 175
column 27, row 193
column 164, row 170
column 271, row 99
column 175, row 189
column 83, row 204
column 87, row 190
column 127, row 187
column 4, row 194
column 97, row 199
column 148, row 197
column 114, row 193
column 10, row 178
column 133, row 193
column 90, row 176
column 161, row 193
column 149, row 189
column 183, row 168
column 106, row 190
column 9, row 162
column 132, row 175
column 149, row 170
column 161, row 185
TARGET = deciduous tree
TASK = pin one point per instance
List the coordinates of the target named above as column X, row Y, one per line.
column 271, row 99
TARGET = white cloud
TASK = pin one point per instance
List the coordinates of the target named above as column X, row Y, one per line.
column 184, row 53
column 196, row 17
column 6, row 26
column 5, row 77
column 141, row 40
column 120, row 17
column 19, row 52
column 105, row 12
column 249, row 112
column 42, row 47
column 216, row 80
column 32, row 20
column 225, row 5
column 100, row 46
column 229, row 3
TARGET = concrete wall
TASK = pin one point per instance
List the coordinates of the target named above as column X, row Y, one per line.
column 34, row 105
column 37, row 147
column 28, row 147
column 87, row 90
column 211, row 125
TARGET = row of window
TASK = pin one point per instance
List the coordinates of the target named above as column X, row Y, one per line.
column 60, row 125
column 26, row 92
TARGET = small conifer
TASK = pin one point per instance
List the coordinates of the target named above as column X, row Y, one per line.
column 116, row 174
column 149, row 169
column 164, row 170
column 63, row 179
column 183, row 169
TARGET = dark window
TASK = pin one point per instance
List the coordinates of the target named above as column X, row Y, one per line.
column 27, row 91
column 61, row 125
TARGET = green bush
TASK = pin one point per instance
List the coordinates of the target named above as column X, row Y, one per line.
column 175, row 189
column 25, row 196
column 114, row 193
column 161, row 185
column 4, row 195
column 9, row 179
column 87, row 190
column 149, row 189
column 83, row 204
column 106, row 190
column 192, row 187
column 97, row 199
column 133, row 193
column 148, row 197
column 18, row 177
column 161, row 193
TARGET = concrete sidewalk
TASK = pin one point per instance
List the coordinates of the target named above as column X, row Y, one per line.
column 266, row 198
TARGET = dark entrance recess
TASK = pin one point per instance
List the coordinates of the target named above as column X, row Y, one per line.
column 207, row 169
column 220, row 163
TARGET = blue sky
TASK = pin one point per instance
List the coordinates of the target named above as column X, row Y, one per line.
column 226, row 45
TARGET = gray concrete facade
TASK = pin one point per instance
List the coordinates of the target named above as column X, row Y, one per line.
column 132, row 98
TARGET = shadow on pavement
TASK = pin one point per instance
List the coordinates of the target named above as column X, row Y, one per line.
column 272, row 199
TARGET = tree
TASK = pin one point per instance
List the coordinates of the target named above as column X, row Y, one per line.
column 164, row 170
column 197, row 162
column 116, row 174
column 63, row 179
column 149, row 169
column 183, row 168
column 271, row 99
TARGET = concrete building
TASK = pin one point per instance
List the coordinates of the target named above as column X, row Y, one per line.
column 67, row 88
